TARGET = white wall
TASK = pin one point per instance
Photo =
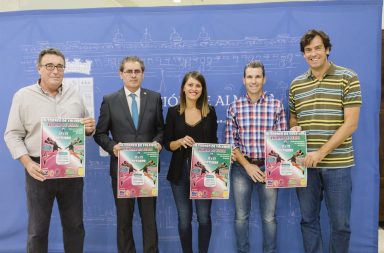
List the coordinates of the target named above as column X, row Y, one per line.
column 18, row 5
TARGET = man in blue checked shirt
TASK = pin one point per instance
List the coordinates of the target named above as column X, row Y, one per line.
column 248, row 118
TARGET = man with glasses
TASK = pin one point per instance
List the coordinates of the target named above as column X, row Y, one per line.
column 325, row 102
column 131, row 114
column 49, row 97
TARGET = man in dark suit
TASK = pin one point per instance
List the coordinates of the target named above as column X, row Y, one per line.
column 131, row 114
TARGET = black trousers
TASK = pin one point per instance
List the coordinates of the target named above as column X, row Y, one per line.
column 40, row 198
column 124, row 212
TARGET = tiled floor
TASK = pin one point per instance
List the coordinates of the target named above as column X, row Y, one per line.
column 381, row 240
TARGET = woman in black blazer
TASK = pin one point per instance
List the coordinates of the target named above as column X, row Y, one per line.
column 193, row 120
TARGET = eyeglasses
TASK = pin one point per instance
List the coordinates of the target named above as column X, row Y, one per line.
column 51, row 67
column 131, row 71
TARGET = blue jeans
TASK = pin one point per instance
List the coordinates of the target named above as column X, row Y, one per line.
column 336, row 185
column 184, row 209
column 242, row 186
column 40, row 197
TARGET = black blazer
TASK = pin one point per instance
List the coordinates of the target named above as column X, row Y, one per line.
column 115, row 123
column 174, row 129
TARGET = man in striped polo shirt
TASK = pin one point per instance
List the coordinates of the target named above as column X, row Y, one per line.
column 247, row 119
column 325, row 102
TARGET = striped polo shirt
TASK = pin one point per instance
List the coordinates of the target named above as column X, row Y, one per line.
column 319, row 108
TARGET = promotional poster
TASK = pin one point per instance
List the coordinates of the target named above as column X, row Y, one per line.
column 210, row 167
column 137, row 174
column 62, row 153
column 284, row 157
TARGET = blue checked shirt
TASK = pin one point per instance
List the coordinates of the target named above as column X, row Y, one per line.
column 247, row 122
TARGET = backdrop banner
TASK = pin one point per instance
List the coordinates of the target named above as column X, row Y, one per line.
column 218, row 41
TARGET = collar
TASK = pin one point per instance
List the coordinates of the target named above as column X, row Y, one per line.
column 128, row 92
column 260, row 100
column 45, row 92
column 331, row 71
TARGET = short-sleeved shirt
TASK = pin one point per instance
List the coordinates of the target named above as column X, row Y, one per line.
column 319, row 108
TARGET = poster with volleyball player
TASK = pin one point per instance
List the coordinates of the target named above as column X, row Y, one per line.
column 62, row 150
column 137, row 172
column 210, row 167
column 284, row 159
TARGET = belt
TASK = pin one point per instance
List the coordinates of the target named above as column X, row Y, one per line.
column 257, row 161
column 36, row 159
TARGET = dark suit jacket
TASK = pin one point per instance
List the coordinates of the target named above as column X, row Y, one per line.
column 115, row 123
column 175, row 129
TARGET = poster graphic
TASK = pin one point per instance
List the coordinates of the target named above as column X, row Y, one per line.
column 284, row 158
column 62, row 150
column 137, row 174
column 210, row 171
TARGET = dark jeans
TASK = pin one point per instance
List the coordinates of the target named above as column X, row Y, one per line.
column 184, row 209
column 40, row 198
column 336, row 185
column 124, row 212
